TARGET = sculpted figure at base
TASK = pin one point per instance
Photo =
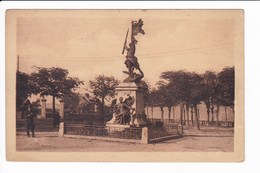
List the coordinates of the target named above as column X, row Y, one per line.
column 123, row 111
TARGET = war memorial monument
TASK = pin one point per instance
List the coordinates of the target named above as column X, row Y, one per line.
column 129, row 110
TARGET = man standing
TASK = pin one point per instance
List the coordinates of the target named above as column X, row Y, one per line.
column 56, row 119
column 30, row 125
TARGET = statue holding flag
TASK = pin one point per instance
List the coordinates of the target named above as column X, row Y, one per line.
column 131, row 61
column 131, row 111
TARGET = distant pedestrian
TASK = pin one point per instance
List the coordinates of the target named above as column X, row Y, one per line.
column 56, row 119
column 30, row 125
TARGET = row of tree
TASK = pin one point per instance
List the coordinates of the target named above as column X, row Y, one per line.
column 188, row 89
column 53, row 82
column 57, row 83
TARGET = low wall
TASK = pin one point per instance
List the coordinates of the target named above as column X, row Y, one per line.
column 103, row 138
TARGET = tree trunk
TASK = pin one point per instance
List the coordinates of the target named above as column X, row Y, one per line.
column 173, row 115
column 212, row 113
column 181, row 116
column 184, row 114
column 147, row 112
column 197, row 117
column 191, row 115
column 162, row 114
column 169, row 114
column 102, row 109
column 188, row 116
column 226, row 114
column 217, row 113
column 198, row 114
column 208, row 112
column 181, row 112
column 208, row 109
column 53, row 106
column 152, row 112
column 54, row 111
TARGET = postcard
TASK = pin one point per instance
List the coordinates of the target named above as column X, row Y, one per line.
column 125, row 85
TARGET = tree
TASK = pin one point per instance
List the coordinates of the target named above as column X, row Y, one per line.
column 226, row 89
column 169, row 96
column 196, row 94
column 179, row 86
column 226, row 80
column 210, row 84
column 162, row 97
column 103, row 86
column 23, row 88
column 53, row 82
column 152, row 100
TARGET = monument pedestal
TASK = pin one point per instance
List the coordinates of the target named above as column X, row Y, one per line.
column 136, row 91
column 116, row 127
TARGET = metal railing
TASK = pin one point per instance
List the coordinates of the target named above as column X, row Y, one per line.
column 158, row 120
column 165, row 130
column 219, row 123
column 103, row 131
column 202, row 122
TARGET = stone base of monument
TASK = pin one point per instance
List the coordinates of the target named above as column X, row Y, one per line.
column 117, row 127
column 136, row 91
column 140, row 120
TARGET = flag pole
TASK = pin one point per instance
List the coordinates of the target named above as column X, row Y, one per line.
column 123, row 51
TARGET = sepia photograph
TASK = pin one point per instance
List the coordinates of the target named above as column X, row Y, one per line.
column 125, row 85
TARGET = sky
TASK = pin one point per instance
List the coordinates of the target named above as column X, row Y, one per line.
column 89, row 43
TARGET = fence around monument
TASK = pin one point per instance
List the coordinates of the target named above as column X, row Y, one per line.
column 103, row 131
column 159, row 133
column 185, row 122
column 217, row 123
column 146, row 135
